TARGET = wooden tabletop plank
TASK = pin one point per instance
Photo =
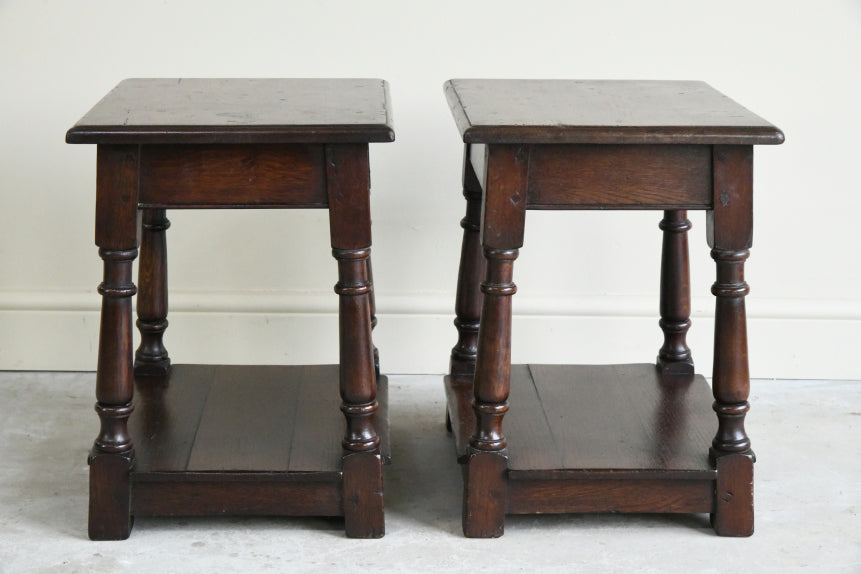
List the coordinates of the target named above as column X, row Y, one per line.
column 526, row 428
column 248, row 421
column 267, row 110
column 166, row 417
column 602, row 112
column 319, row 423
column 613, row 418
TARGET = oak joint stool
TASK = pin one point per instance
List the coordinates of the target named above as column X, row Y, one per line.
column 602, row 438
column 233, row 440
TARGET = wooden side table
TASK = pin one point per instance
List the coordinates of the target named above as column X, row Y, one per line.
column 613, row 438
column 211, row 440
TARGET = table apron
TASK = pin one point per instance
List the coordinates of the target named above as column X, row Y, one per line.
column 228, row 175
column 611, row 176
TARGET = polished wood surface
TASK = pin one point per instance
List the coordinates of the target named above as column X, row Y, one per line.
column 588, row 438
column 233, row 440
column 602, row 112
column 265, row 175
column 630, row 438
column 471, row 270
column 564, row 421
column 244, row 111
column 242, row 419
column 674, row 355
column 623, row 176
column 151, row 357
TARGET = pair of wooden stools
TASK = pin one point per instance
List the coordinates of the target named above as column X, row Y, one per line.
column 269, row 440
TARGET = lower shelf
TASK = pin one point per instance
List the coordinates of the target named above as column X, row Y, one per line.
column 262, row 440
column 608, row 438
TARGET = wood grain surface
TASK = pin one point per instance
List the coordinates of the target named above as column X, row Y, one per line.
column 267, row 110
column 602, row 112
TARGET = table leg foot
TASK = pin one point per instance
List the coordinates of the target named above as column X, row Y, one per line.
column 364, row 515
column 110, row 497
column 733, row 514
column 484, row 495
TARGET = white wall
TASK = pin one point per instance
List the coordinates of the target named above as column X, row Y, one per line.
column 256, row 286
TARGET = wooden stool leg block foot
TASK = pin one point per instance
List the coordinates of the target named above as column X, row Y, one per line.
column 484, row 495
column 733, row 515
column 110, row 498
column 363, row 496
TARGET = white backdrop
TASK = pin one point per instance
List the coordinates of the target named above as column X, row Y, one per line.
column 255, row 286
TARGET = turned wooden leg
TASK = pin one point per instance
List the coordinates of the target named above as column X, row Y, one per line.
column 485, row 489
column 730, row 231
column 373, row 304
column 731, row 450
column 674, row 356
column 112, row 456
column 471, row 271
column 486, row 465
column 350, row 229
column 151, row 357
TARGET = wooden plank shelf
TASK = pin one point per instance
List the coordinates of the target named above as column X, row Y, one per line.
column 235, row 439
column 600, row 438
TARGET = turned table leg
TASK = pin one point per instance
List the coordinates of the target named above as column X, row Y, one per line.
column 350, row 229
column 112, row 455
column 486, row 466
column 151, row 357
column 372, row 300
column 674, row 356
column 470, row 274
column 730, row 234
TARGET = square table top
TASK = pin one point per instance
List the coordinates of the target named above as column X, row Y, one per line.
column 602, row 112
column 270, row 110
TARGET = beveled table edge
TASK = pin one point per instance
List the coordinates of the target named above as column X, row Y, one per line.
column 359, row 133
column 534, row 134
column 231, row 134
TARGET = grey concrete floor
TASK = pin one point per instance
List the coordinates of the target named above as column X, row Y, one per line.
column 806, row 435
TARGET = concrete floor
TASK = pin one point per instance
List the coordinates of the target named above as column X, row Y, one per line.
column 806, row 435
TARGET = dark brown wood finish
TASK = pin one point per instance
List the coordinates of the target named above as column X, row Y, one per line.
column 175, row 417
column 471, row 272
column 112, row 455
column 675, row 308
column 231, row 111
column 502, row 221
column 152, row 358
column 194, row 460
column 622, row 176
column 265, row 175
column 628, row 438
column 730, row 234
column 350, row 230
column 602, row 112
column 234, row 439
column 372, row 301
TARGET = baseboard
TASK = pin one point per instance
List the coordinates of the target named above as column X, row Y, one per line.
column 787, row 338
